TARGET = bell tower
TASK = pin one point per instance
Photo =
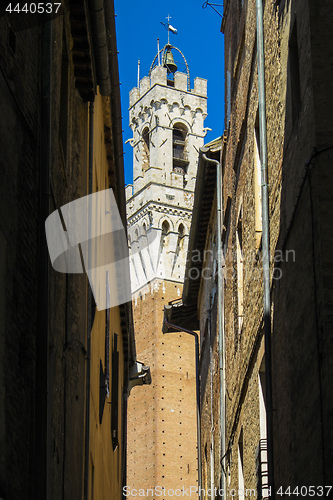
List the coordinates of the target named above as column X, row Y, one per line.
column 167, row 120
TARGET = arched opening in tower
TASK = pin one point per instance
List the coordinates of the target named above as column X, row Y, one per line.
column 145, row 149
column 179, row 149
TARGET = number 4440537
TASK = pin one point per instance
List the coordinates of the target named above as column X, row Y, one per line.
column 33, row 8
column 303, row 491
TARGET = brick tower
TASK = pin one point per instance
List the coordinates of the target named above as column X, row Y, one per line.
column 167, row 120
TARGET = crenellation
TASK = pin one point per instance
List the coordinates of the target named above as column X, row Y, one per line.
column 200, row 86
column 144, row 85
column 158, row 75
column 134, row 96
column 180, row 81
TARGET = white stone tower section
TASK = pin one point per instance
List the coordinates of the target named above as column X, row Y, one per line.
column 167, row 120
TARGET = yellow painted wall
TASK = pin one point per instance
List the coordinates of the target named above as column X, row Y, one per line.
column 105, row 471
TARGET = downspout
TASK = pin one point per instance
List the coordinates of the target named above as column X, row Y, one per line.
column 42, row 420
column 220, row 287
column 196, row 337
column 265, row 243
column 89, row 306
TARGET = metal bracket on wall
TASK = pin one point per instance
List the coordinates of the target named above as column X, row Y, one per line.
column 213, row 5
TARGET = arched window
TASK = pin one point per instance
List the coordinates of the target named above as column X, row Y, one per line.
column 165, row 228
column 180, row 239
column 181, row 230
column 179, row 152
column 164, row 235
column 145, row 149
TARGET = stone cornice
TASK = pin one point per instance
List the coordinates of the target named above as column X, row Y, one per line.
column 167, row 210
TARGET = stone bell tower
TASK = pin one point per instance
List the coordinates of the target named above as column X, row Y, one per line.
column 167, row 119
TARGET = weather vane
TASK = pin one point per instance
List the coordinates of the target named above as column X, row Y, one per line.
column 169, row 28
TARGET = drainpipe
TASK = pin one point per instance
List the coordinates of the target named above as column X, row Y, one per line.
column 265, row 243
column 196, row 337
column 89, row 311
column 220, row 287
column 42, row 420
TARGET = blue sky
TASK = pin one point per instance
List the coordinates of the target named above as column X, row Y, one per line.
column 199, row 38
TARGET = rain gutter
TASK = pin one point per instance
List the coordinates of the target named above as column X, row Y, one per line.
column 220, row 288
column 196, row 213
column 101, row 49
column 89, row 313
column 117, row 135
column 106, row 56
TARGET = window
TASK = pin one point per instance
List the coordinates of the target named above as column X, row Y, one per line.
column 180, row 239
column 165, row 228
column 240, row 151
column 228, row 92
column 145, row 149
column 104, row 375
column 240, row 277
column 226, row 225
column 262, row 399
column 102, row 391
column 179, row 154
column 241, row 466
column 211, row 468
column 257, row 182
column 163, row 245
column 261, row 452
column 115, row 393
column 107, row 336
column 179, row 245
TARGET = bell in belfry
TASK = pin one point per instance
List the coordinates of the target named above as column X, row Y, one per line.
column 168, row 62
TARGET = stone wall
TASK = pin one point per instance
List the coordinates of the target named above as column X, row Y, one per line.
column 297, row 132
column 19, row 192
column 43, row 452
column 162, row 434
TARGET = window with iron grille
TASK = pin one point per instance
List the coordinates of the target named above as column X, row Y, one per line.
column 115, row 392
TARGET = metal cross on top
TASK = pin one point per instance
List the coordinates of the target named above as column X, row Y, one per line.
column 169, row 28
